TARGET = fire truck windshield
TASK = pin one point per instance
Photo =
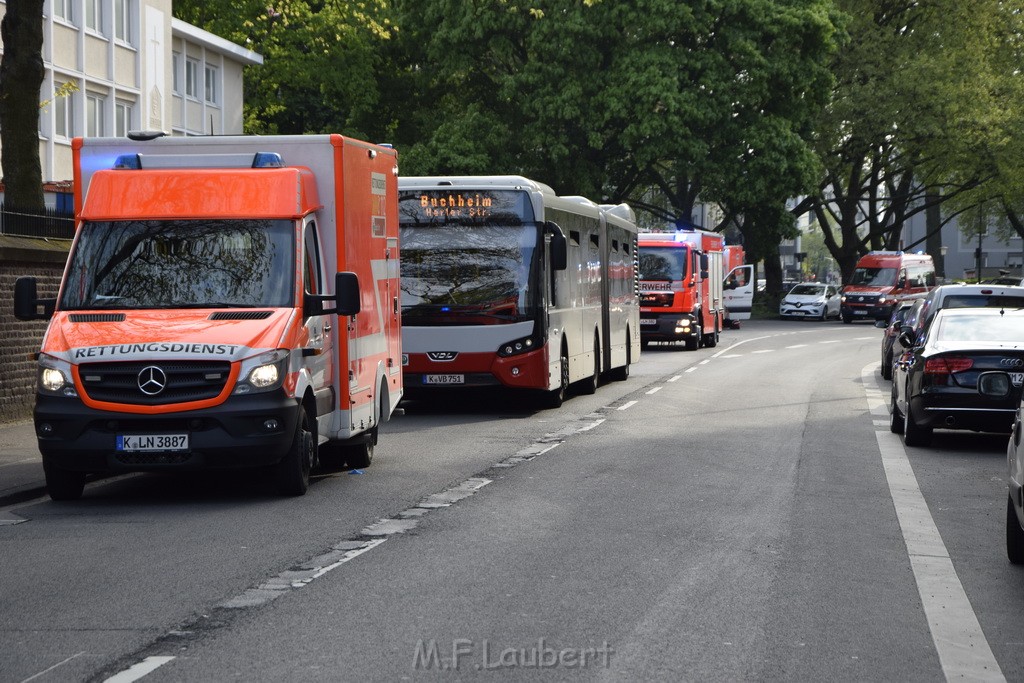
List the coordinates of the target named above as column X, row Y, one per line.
column 182, row 264
column 457, row 274
column 667, row 264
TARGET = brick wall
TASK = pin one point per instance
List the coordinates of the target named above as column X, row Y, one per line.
column 19, row 340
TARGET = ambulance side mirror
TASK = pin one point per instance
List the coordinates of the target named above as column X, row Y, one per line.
column 27, row 302
column 346, row 293
column 559, row 248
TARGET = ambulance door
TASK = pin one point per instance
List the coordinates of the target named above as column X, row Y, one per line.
column 739, row 292
column 319, row 336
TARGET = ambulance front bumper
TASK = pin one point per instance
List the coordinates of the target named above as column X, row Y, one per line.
column 245, row 431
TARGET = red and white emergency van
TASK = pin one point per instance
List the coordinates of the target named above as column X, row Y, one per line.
column 228, row 302
column 880, row 279
column 681, row 277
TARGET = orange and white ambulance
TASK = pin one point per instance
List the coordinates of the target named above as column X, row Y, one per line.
column 228, row 302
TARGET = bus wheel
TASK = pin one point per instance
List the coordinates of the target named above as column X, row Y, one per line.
column 555, row 399
column 621, row 373
column 589, row 385
column 293, row 470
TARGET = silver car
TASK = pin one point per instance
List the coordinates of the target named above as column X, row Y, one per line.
column 811, row 300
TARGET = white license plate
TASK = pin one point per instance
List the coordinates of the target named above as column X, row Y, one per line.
column 132, row 443
column 444, row 379
column 860, row 312
column 648, row 321
column 1017, row 378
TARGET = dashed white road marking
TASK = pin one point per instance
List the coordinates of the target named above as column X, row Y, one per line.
column 690, row 369
column 654, row 391
column 964, row 653
column 627, row 405
column 763, row 351
column 674, row 379
column 51, row 668
column 137, row 671
column 796, row 346
column 830, row 341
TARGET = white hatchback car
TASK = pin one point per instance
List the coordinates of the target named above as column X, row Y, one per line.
column 811, row 300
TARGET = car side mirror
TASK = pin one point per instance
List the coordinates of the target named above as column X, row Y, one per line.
column 907, row 338
column 881, row 324
column 995, row 384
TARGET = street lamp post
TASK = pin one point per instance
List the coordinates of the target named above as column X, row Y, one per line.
column 943, row 250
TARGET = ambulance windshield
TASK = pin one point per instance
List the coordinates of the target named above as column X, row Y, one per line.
column 182, row 264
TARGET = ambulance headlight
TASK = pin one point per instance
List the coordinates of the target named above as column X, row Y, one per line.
column 52, row 380
column 55, row 377
column 265, row 372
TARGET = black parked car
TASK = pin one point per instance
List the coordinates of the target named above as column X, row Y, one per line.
column 892, row 327
column 935, row 383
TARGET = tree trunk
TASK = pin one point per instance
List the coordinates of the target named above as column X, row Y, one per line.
column 21, row 77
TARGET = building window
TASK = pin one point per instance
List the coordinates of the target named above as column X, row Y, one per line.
column 94, row 115
column 176, row 72
column 123, row 111
column 191, row 78
column 94, row 15
column 211, row 84
column 123, row 21
column 63, row 114
column 62, row 9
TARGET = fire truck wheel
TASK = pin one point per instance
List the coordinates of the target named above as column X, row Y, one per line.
column 293, row 470
column 62, row 484
column 711, row 340
column 589, row 385
column 694, row 342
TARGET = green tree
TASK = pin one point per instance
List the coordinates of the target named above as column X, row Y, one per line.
column 21, row 77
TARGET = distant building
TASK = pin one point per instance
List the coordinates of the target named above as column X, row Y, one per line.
column 131, row 65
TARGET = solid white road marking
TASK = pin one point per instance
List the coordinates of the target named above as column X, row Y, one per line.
column 964, row 653
column 51, row 668
column 137, row 671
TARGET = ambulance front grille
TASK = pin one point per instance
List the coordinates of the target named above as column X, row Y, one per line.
column 154, row 383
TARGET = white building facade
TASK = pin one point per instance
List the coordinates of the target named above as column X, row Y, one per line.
column 117, row 65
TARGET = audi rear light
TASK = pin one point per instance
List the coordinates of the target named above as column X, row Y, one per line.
column 947, row 365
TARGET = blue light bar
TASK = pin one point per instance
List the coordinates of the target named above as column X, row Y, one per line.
column 267, row 160
column 130, row 162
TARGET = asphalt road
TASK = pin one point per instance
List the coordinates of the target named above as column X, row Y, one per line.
column 738, row 513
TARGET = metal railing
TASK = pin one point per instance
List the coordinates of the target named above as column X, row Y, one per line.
column 52, row 223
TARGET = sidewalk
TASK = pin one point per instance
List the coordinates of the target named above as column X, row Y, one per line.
column 21, row 467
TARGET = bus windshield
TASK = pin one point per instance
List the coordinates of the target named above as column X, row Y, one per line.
column 874, row 277
column 182, row 264
column 664, row 264
column 460, row 274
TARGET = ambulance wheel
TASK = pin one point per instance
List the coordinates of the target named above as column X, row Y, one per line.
column 590, row 384
column 358, row 456
column 63, row 484
column 293, row 470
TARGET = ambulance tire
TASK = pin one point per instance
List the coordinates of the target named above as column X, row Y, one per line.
column 358, row 456
column 63, row 484
column 294, row 468
column 590, row 384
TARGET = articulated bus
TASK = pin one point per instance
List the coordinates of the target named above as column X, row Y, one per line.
column 506, row 284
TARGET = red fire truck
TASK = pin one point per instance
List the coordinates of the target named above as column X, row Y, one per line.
column 681, row 276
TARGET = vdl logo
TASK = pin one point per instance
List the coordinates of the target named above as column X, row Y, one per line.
column 442, row 356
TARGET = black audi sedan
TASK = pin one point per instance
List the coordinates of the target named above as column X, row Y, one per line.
column 935, row 382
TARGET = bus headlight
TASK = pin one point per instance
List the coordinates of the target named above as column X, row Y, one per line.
column 516, row 347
